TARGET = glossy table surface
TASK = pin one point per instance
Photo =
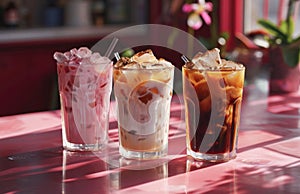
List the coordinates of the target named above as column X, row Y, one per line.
column 32, row 160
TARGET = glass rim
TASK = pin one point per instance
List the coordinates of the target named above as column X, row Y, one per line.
column 144, row 69
column 76, row 66
column 66, row 63
column 227, row 69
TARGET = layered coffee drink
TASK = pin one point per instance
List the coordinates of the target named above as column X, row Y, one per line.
column 212, row 89
column 143, row 87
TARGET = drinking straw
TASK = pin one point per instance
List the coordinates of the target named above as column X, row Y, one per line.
column 111, row 47
column 185, row 59
column 117, row 56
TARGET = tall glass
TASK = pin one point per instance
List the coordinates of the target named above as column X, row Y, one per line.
column 143, row 99
column 85, row 90
column 212, row 108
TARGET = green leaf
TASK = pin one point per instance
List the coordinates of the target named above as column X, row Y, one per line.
column 225, row 35
column 290, row 28
column 291, row 56
column 127, row 53
column 273, row 29
column 283, row 27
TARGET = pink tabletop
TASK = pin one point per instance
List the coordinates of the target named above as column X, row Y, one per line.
column 33, row 161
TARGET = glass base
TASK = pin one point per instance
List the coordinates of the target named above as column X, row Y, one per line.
column 82, row 147
column 212, row 157
column 142, row 155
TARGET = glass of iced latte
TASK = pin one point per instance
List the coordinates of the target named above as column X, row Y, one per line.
column 85, row 84
column 212, row 89
column 143, row 87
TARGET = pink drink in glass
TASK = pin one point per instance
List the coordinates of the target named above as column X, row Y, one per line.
column 85, row 84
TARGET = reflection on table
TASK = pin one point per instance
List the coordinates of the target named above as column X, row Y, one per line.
column 32, row 160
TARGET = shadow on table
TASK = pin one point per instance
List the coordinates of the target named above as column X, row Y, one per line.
column 287, row 105
column 275, row 179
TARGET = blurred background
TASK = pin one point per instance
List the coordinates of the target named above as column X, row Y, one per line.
column 32, row 30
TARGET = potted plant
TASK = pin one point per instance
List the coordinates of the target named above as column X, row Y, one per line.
column 284, row 53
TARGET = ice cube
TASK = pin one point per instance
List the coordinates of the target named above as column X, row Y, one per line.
column 83, row 52
column 163, row 75
column 68, row 55
column 105, row 61
column 60, row 57
column 151, row 66
column 146, row 56
column 73, row 51
column 165, row 63
column 231, row 64
column 95, row 58
column 73, row 63
column 99, row 62
column 142, row 60
column 79, row 61
column 90, row 62
column 208, row 60
column 132, row 65
column 72, row 57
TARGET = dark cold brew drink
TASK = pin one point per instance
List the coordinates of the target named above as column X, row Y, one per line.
column 212, row 94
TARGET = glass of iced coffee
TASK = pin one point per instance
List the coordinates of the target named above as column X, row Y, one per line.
column 212, row 89
column 143, row 87
column 85, row 85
